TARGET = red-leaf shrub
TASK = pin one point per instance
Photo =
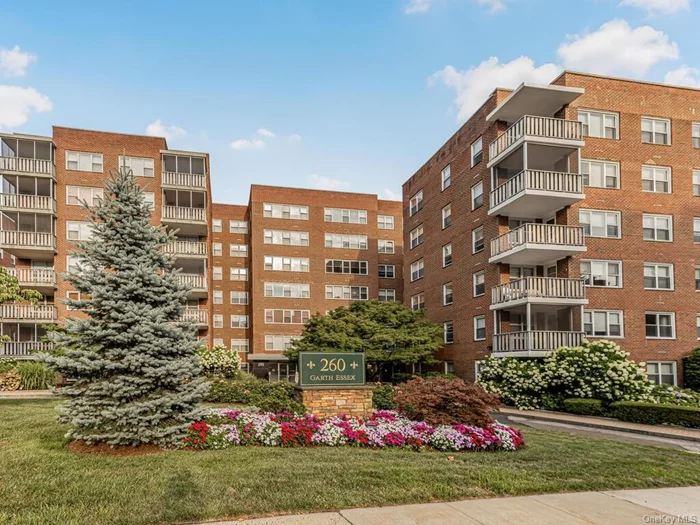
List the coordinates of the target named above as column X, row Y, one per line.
column 441, row 401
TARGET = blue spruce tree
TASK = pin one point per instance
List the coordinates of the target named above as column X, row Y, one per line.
column 137, row 375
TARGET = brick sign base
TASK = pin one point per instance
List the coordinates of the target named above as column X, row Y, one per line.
column 326, row 401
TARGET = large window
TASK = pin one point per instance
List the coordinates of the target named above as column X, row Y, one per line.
column 387, row 294
column 601, row 273
column 238, row 250
column 477, row 195
column 386, row 271
column 238, row 297
column 478, row 239
column 279, row 342
column 78, row 230
column 657, row 227
column 479, row 328
column 385, row 246
column 447, row 294
column 280, row 316
column 446, row 177
column 603, row 323
column 347, row 267
column 656, row 179
column 447, row 255
column 656, row 130
column 77, row 195
column 286, row 264
column 599, row 223
column 286, row 211
column 288, row 290
column 416, row 203
column 240, row 345
column 286, row 237
column 353, row 242
column 478, row 283
column 238, row 274
column 658, row 276
column 141, row 167
column 238, row 227
column 184, row 164
column 600, row 174
column 418, row 301
column 239, row 321
column 660, row 325
column 345, row 216
column 477, row 151
column 416, row 236
column 599, row 124
column 353, row 293
column 446, row 216
column 417, row 270
column 662, row 372
column 81, row 161
column 385, row 222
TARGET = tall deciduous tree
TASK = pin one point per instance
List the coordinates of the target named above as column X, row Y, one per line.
column 10, row 292
column 138, row 378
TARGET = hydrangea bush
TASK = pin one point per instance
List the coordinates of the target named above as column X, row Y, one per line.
column 219, row 361
column 224, row 428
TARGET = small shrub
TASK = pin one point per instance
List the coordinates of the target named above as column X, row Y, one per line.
column 7, row 364
column 442, row 401
column 656, row 414
column 672, row 395
column 585, row 407
column 270, row 396
column 691, row 369
column 35, row 375
column 219, row 361
column 9, row 381
column 383, row 397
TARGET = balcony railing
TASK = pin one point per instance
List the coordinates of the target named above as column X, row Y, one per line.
column 28, row 312
column 178, row 213
column 547, row 127
column 195, row 315
column 27, row 202
column 10, row 238
column 23, row 348
column 186, row 248
column 535, row 341
column 190, row 180
column 533, row 233
column 194, row 280
column 32, row 276
column 536, row 180
column 25, row 165
column 538, row 287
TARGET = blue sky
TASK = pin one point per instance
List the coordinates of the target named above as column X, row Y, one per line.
column 336, row 94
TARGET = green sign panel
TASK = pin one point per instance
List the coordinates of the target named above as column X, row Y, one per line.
column 331, row 369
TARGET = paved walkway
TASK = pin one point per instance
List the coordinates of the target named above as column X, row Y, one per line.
column 622, row 507
column 27, row 394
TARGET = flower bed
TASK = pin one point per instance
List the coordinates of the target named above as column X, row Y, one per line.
column 224, row 428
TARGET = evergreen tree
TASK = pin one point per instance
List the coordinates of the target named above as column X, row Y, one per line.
column 138, row 378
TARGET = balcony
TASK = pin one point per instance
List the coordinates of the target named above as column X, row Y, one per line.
column 196, row 282
column 31, row 203
column 190, row 221
column 197, row 316
column 43, row 280
column 26, row 166
column 536, row 343
column 174, row 179
column 536, row 130
column 28, row 245
column 535, row 244
column 20, row 349
column 535, row 193
column 187, row 249
column 40, row 313
column 538, row 290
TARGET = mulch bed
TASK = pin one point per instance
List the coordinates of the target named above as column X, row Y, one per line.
column 102, row 449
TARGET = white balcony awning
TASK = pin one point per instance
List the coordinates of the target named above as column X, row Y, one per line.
column 534, row 99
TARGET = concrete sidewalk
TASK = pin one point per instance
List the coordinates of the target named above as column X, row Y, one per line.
column 622, row 507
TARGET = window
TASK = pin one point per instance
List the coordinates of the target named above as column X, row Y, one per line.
column 696, row 134
column 288, row 290
column 353, row 293
column 445, row 178
column 80, row 161
column 477, row 195
column 218, row 321
column 479, row 283
column 385, row 246
column 216, row 249
column 217, row 341
column 345, row 216
column 416, row 236
column 446, row 216
column 658, row 276
column 387, row 294
column 449, row 367
column 697, row 324
column 183, row 164
column 603, row 323
column 447, row 294
column 240, row 345
column 696, row 230
column 238, row 297
column 600, row 174
column 238, row 227
column 72, row 263
column 238, row 250
column 418, row 301
column 347, row 267
column 386, row 271
column 238, row 274
column 150, row 198
column 479, row 328
column 218, row 297
column 218, row 273
column 416, row 203
column 279, row 316
column 286, row 237
column 72, row 295
column 447, row 255
column 696, row 183
column 239, row 321
column 477, row 151
column 697, row 278
column 448, row 332
column 417, row 270
column 599, row 223
column 286, row 264
column 77, row 195
column 78, row 230
column 657, row 227
column 662, row 372
column 141, row 167
column 598, row 124
column 656, row 179
column 216, row 225
column 353, row 242
column 606, row 274
column 478, row 239
column 660, row 325
column 286, row 211
column 279, row 342
column 656, row 130
column 385, row 222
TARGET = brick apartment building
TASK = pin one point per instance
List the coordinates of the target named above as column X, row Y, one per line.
column 561, row 212
column 256, row 272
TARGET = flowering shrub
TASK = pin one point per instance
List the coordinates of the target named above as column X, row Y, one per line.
column 223, row 428
column 219, row 361
column 672, row 395
column 520, row 382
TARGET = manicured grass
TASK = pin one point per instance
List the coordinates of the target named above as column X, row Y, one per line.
column 41, row 482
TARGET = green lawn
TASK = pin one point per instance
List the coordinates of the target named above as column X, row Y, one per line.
column 42, row 483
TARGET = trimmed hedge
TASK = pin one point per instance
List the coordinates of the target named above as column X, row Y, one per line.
column 270, row 396
column 383, row 397
column 656, row 414
column 585, row 407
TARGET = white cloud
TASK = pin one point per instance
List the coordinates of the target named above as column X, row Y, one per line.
column 392, row 195
column 683, row 76
column 618, row 48
column 17, row 103
column 294, row 137
column 14, row 62
column 265, row 133
column 418, row 6
column 494, row 6
column 472, row 86
column 327, row 183
column 667, row 7
column 158, row 129
column 260, row 139
column 244, row 144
